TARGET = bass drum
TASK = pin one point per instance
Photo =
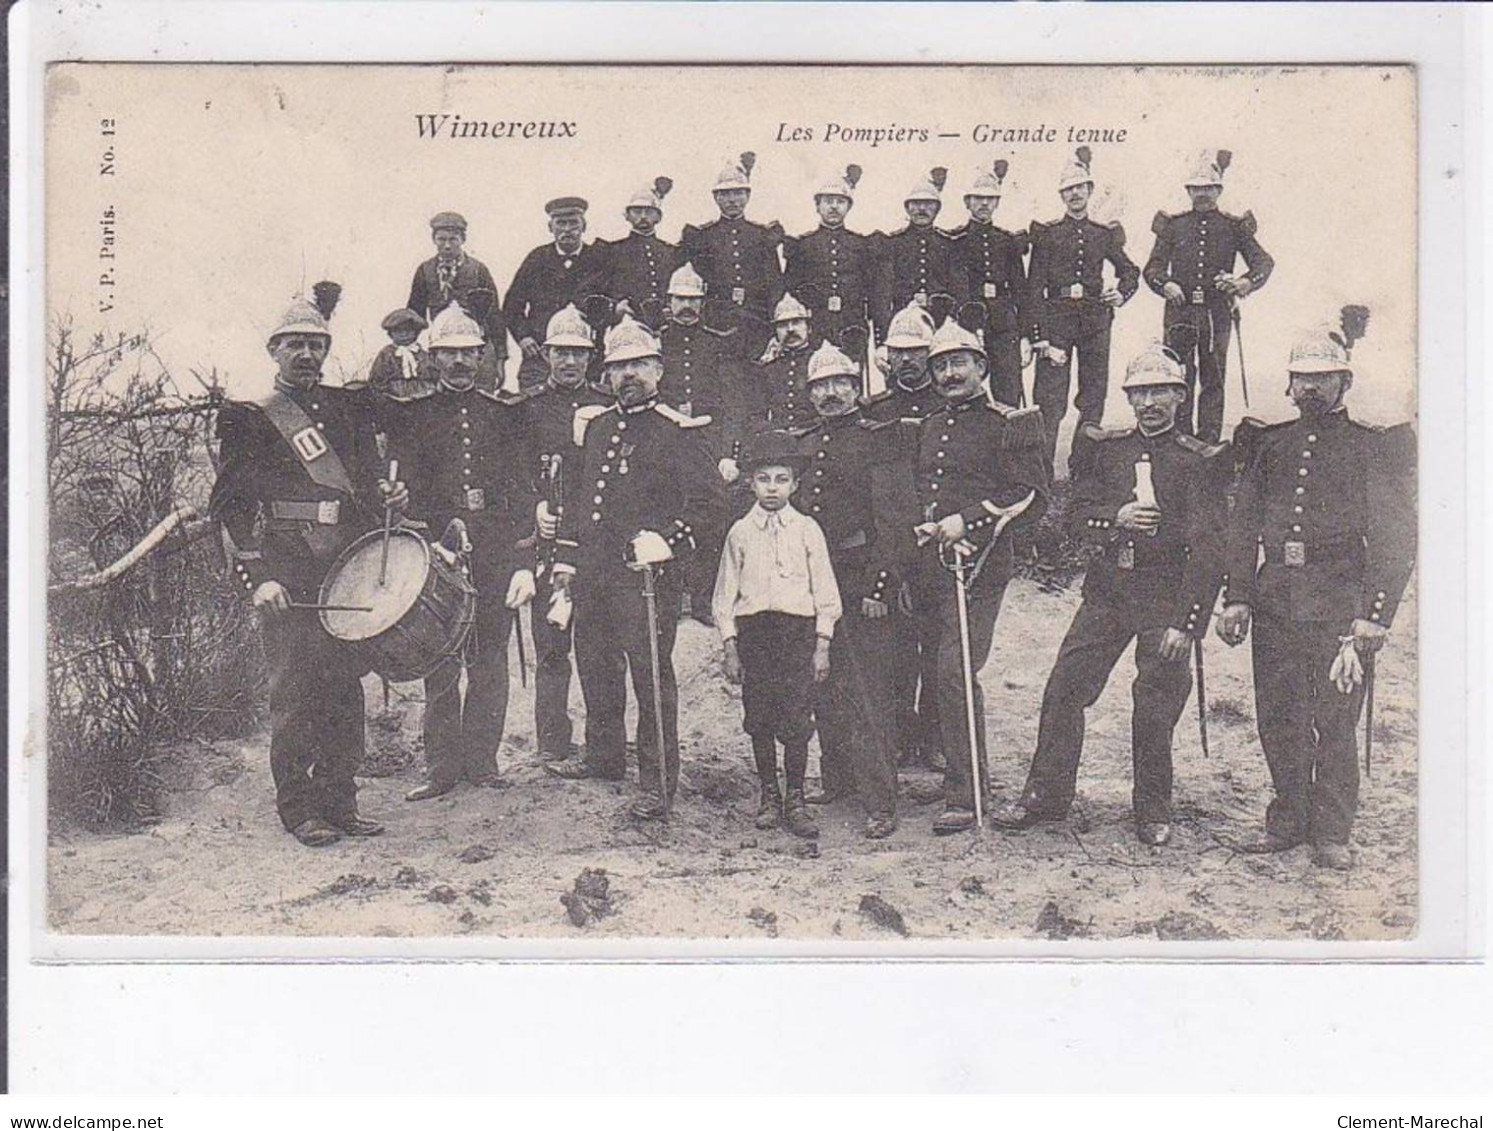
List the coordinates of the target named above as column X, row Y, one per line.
column 421, row 613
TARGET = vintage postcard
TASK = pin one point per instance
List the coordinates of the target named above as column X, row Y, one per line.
column 771, row 506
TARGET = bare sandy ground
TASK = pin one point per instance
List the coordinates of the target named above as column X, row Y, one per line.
column 494, row 862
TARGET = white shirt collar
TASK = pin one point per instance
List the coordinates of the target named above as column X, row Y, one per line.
column 762, row 518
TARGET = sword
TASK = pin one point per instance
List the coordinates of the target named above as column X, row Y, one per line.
column 1239, row 337
column 523, row 660
column 1197, row 659
column 1368, row 730
column 650, row 601
column 961, row 599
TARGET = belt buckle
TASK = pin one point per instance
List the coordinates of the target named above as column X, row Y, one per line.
column 1075, row 291
column 328, row 511
column 738, row 295
column 476, row 498
column 1295, row 553
column 921, row 298
column 687, row 407
column 989, row 290
column 1198, row 296
column 1127, row 556
column 834, row 304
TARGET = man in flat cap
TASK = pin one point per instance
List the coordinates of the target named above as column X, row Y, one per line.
column 639, row 265
column 1321, row 545
column 917, row 261
column 647, row 485
column 553, row 275
column 454, row 276
column 401, row 369
column 1152, row 498
column 1070, row 308
column 299, row 479
column 1192, row 267
column 738, row 258
column 993, row 272
column 832, row 270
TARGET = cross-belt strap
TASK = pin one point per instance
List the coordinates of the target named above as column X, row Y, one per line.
column 306, row 441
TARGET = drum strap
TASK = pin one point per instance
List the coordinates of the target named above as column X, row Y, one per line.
column 305, row 439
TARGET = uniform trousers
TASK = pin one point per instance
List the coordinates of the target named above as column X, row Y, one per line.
column 1199, row 335
column 611, row 639
column 316, row 718
column 933, row 591
column 463, row 731
column 1307, row 729
column 856, row 713
column 1087, row 335
column 552, row 673
column 1005, row 368
column 1098, row 636
column 915, row 686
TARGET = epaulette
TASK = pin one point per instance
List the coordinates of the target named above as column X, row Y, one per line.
column 582, row 420
column 954, row 233
column 533, row 391
column 1246, row 221
column 771, row 353
column 774, row 229
column 1160, row 222
column 1021, row 238
column 868, row 399
column 688, row 228
column 1024, row 427
column 802, row 430
column 356, row 386
column 417, row 395
column 1093, row 431
column 1247, row 436
column 1119, row 230
column 669, row 412
column 719, row 333
column 1394, row 446
column 875, row 425
column 498, row 396
column 1199, row 447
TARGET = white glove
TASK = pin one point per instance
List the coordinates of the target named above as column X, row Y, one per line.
column 548, row 524
column 649, row 548
column 1026, row 352
column 560, row 609
column 1346, row 672
column 521, row 589
column 729, row 470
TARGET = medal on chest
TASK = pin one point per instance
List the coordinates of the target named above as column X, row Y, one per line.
column 1127, row 556
column 627, row 450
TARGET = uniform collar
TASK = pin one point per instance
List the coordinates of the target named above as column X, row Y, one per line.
column 841, row 421
column 556, row 387
column 925, row 387
column 637, row 408
column 1144, row 435
column 295, row 390
column 442, row 387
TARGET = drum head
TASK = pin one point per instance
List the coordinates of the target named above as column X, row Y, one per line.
column 354, row 581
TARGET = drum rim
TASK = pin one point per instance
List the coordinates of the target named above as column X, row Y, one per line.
column 340, row 560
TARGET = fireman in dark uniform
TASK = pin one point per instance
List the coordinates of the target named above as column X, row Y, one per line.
column 702, row 378
column 981, row 467
column 832, row 270
column 638, row 266
column 1192, row 267
column 466, row 454
column 917, row 262
column 738, row 259
column 299, row 479
column 990, row 265
column 1070, row 307
column 454, row 276
column 566, row 270
column 778, row 398
column 845, row 489
column 1153, row 499
column 569, row 345
column 908, row 399
column 647, row 486
column 1321, row 545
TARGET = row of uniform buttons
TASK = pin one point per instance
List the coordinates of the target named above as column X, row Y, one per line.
column 1302, row 472
column 612, row 441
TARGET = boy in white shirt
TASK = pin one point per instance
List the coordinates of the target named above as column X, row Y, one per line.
column 776, row 604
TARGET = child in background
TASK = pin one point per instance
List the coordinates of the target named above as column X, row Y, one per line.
column 400, row 370
column 776, row 605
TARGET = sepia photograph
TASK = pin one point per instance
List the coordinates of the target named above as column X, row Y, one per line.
column 780, row 506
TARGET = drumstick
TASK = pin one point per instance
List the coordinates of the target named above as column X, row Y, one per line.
column 383, row 564
column 331, row 608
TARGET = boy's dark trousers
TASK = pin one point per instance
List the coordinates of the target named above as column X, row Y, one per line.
column 777, row 676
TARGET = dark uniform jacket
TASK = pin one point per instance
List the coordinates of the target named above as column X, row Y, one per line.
column 643, row 468
column 283, row 525
column 1066, row 277
column 1170, row 577
column 916, row 263
column 638, row 269
column 847, row 487
column 833, row 272
column 981, row 454
column 779, row 399
column 469, row 455
column 703, row 377
column 991, row 268
column 1192, row 247
column 473, row 288
column 546, row 281
column 899, row 403
column 738, row 260
column 1331, row 503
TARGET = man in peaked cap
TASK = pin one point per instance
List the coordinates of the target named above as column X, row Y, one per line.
column 981, row 469
column 454, row 276
column 991, row 267
column 1192, row 267
column 647, row 488
column 1071, row 310
column 1321, row 545
column 917, row 261
column 737, row 258
column 1152, row 498
column 832, row 269
column 466, row 454
column 298, row 480
column 569, row 347
column 851, row 465
column 638, row 265
column 565, row 270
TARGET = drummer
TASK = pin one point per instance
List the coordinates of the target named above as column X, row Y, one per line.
column 298, row 481
column 466, row 454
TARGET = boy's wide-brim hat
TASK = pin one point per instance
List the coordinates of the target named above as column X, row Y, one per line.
column 774, row 449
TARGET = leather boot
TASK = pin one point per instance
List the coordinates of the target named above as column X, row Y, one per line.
column 796, row 815
column 770, row 808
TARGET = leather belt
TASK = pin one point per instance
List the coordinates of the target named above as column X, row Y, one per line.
column 1297, row 554
column 1076, row 291
column 327, row 512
